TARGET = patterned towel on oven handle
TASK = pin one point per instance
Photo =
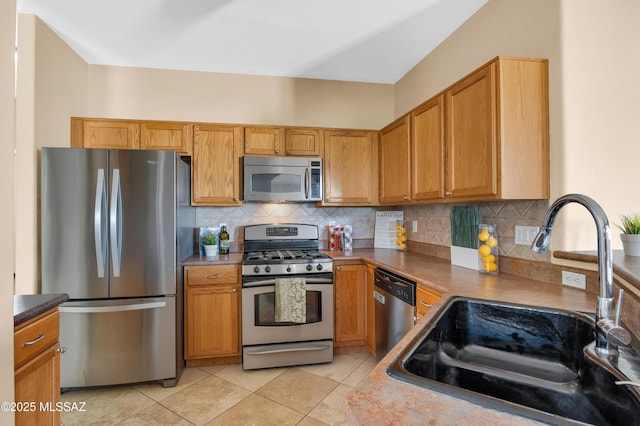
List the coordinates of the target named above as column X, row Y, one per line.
column 291, row 300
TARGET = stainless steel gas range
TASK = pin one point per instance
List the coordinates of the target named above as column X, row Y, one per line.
column 276, row 251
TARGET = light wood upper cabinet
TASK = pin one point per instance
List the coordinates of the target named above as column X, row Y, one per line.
column 282, row 141
column 263, row 140
column 303, row 142
column 427, row 150
column 167, row 135
column 395, row 171
column 215, row 169
column 131, row 134
column 212, row 311
column 497, row 132
column 104, row 133
column 350, row 167
column 472, row 142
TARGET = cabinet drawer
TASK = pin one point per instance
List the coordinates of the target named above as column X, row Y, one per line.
column 220, row 274
column 425, row 300
column 35, row 336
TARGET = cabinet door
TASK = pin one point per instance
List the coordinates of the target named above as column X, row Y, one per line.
column 38, row 381
column 303, row 142
column 167, row 135
column 212, row 321
column 472, row 150
column 350, row 168
column 395, row 182
column 93, row 133
column 427, row 150
column 215, row 171
column 350, row 304
column 263, row 140
column 370, row 336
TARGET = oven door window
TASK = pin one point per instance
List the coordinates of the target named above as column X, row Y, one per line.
column 265, row 309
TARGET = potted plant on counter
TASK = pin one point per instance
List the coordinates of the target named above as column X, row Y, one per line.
column 210, row 245
column 630, row 227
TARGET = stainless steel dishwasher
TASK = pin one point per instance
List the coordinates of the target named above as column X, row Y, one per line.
column 395, row 300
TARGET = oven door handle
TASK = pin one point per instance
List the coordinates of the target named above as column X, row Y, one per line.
column 272, row 281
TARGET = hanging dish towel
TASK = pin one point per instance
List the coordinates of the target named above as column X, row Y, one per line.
column 291, row 300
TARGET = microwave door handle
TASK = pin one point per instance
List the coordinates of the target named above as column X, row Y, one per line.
column 306, row 183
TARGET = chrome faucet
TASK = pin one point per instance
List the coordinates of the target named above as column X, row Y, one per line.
column 609, row 334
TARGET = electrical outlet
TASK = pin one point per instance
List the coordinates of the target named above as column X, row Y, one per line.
column 574, row 280
column 526, row 234
column 414, row 226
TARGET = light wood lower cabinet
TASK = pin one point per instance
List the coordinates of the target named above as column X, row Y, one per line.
column 425, row 299
column 370, row 335
column 37, row 370
column 350, row 303
column 212, row 311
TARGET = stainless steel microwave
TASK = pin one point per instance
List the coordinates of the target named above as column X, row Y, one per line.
column 275, row 179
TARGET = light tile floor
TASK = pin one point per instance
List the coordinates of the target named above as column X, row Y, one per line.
column 226, row 395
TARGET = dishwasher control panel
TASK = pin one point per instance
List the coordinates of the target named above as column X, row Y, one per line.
column 396, row 286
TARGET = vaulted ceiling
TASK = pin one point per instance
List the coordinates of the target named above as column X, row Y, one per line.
column 353, row 40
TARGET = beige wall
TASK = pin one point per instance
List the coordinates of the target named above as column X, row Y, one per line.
column 593, row 59
column 51, row 87
column 7, row 138
column 120, row 92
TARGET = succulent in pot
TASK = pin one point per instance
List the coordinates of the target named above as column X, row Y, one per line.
column 630, row 237
column 210, row 245
column 209, row 240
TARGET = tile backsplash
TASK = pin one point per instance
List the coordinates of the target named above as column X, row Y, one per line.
column 434, row 226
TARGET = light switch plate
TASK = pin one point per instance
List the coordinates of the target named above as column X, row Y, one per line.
column 526, row 234
column 414, row 226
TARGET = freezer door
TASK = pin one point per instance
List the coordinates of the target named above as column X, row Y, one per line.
column 73, row 220
column 142, row 223
column 117, row 341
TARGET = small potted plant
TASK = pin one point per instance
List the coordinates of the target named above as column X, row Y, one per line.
column 210, row 245
column 630, row 227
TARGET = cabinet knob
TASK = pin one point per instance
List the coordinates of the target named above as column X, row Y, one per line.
column 234, row 290
column 338, row 268
column 277, row 151
column 406, row 197
column 289, row 152
column 235, row 199
column 61, row 349
column 448, row 193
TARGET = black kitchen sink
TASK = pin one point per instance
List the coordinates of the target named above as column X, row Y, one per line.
column 531, row 361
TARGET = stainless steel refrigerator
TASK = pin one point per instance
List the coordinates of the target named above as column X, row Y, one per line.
column 115, row 225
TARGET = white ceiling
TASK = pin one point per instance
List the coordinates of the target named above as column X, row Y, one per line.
column 353, row 40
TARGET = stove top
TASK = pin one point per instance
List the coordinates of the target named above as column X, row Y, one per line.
column 282, row 256
column 283, row 249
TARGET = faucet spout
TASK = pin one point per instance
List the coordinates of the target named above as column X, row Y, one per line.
column 605, row 263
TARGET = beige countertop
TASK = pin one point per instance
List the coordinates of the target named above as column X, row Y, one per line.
column 380, row 400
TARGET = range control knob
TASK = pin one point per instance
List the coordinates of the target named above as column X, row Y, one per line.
column 267, row 269
column 256, row 269
column 288, row 268
column 319, row 267
column 309, row 267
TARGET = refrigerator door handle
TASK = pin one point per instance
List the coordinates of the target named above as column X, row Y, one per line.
column 111, row 308
column 115, row 221
column 98, row 222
